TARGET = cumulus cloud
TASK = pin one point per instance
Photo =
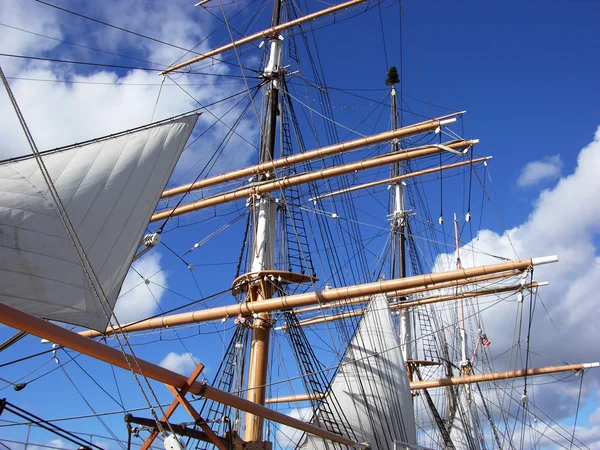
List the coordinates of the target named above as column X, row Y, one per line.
column 142, row 290
column 287, row 437
column 565, row 221
column 537, row 171
column 595, row 417
column 64, row 104
column 183, row 363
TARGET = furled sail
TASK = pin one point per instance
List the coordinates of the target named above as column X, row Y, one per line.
column 110, row 188
column 371, row 386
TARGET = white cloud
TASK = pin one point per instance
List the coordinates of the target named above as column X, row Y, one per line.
column 287, row 437
column 565, row 221
column 537, row 171
column 77, row 103
column 140, row 298
column 183, row 363
column 52, row 444
column 595, row 417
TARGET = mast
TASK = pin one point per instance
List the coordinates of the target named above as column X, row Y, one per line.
column 264, row 241
column 398, row 222
column 465, row 364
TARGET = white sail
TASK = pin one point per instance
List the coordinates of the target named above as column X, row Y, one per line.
column 465, row 431
column 109, row 188
column 372, row 387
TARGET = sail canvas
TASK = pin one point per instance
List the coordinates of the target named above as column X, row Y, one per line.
column 109, row 189
column 371, row 386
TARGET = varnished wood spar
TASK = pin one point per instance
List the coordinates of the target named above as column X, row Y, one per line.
column 401, row 177
column 46, row 330
column 428, row 384
column 406, row 292
column 409, row 304
column 303, row 178
column 479, row 378
column 322, row 152
column 247, row 309
column 294, row 398
column 269, row 32
column 468, row 294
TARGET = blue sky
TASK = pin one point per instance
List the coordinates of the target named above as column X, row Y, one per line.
column 526, row 72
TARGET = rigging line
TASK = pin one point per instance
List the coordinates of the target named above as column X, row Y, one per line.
column 79, row 45
column 237, row 55
column 25, row 358
column 387, row 66
column 497, row 212
column 55, row 429
column 531, row 311
column 212, row 114
column 115, row 27
column 116, row 384
column 117, row 66
column 212, row 125
column 189, row 353
column 25, row 383
column 324, row 116
column 215, row 31
column 551, row 421
column 157, row 98
column 106, row 427
column 577, row 410
column 213, row 159
column 46, row 80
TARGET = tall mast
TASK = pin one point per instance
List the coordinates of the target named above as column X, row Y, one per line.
column 465, row 364
column 398, row 222
column 264, row 241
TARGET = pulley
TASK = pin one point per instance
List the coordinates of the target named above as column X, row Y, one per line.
column 173, row 443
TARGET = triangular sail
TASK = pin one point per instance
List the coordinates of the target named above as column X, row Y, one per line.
column 110, row 188
column 371, row 386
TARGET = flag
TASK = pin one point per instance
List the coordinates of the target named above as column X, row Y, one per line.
column 485, row 341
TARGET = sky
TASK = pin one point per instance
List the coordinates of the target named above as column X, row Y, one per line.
column 526, row 73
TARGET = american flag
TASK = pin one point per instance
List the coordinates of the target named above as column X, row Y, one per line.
column 485, row 341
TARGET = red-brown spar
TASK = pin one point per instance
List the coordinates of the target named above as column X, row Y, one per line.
column 22, row 321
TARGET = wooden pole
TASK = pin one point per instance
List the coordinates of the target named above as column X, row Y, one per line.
column 406, row 292
column 269, row 32
column 412, row 303
column 479, row 378
column 303, row 178
column 400, row 178
column 287, row 161
column 46, row 330
column 247, row 309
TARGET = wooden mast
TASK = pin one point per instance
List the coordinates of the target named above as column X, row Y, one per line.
column 398, row 227
column 264, row 210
